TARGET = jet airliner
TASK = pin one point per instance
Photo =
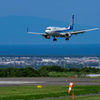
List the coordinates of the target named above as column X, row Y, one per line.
column 62, row 32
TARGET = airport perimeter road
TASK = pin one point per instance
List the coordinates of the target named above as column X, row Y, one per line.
column 47, row 81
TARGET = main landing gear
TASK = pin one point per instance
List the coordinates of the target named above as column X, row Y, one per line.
column 54, row 39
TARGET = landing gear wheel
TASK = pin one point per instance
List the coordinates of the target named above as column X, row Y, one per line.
column 66, row 38
column 54, row 39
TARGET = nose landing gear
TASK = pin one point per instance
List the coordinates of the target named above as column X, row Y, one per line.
column 66, row 38
column 54, row 39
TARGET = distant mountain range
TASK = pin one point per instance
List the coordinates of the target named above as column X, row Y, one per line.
column 13, row 31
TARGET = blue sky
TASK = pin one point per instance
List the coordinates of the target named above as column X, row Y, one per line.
column 86, row 13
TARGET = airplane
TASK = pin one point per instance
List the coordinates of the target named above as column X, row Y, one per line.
column 62, row 32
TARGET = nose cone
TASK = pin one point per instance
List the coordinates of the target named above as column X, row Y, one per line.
column 47, row 31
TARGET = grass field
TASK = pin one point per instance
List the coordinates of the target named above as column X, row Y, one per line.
column 96, row 97
column 32, row 92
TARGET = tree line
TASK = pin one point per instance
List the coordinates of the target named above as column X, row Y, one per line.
column 42, row 72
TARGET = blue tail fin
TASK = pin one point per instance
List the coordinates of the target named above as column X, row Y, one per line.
column 72, row 23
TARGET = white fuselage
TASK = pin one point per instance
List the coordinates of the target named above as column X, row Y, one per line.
column 56, row 31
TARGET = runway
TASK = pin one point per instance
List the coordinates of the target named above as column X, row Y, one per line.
column 47, row 81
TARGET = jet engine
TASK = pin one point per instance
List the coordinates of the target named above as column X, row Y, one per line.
column 67, row 35
column 46, row 36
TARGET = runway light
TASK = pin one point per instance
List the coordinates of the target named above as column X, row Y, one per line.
column 39, row 86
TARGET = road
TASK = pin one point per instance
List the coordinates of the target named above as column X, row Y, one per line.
column 47, row 81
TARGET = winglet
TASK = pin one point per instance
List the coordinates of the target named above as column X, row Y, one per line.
column 27, row 29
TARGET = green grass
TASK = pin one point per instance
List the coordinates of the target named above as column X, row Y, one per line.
column 96, row 97
column 32, row 92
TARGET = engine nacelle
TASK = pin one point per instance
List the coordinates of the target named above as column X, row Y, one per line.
column 67, row 35
column 46, row 36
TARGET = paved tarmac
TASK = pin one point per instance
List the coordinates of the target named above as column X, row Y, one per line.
column 47, row 81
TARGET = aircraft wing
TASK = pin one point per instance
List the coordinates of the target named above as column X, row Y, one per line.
column 82, row 31
column 34, row 32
